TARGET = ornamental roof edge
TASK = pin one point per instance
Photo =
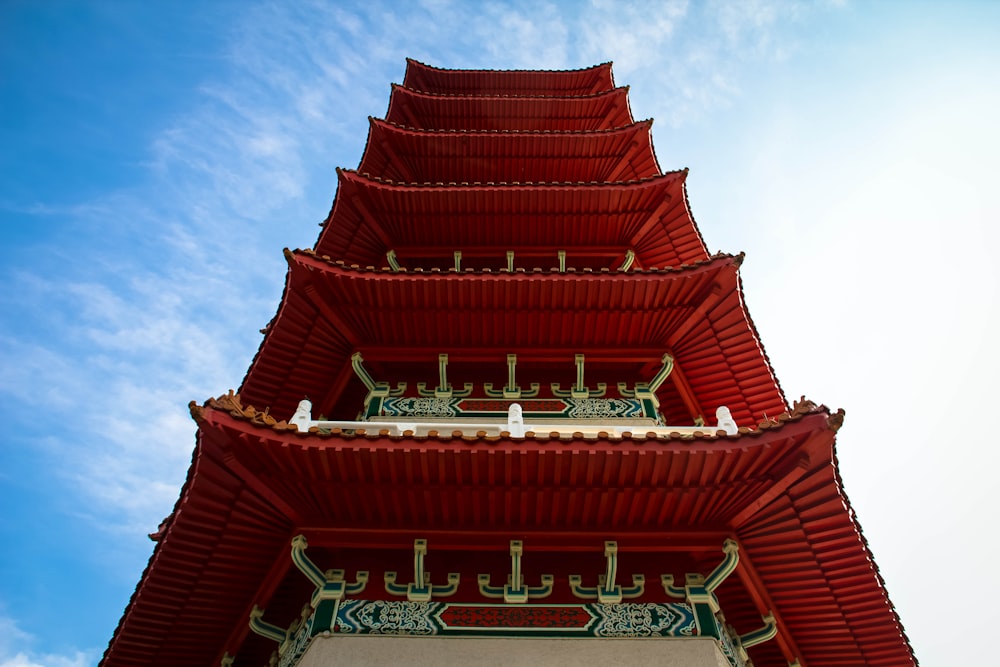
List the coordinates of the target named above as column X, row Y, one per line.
column 231, row 404
column 570, row 70
column 570, row 273
column 433, row 131
column 666, row 177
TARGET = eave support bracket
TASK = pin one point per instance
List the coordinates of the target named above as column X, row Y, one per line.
column 511, row 389
column 515, row 592
column 699, row 590
column 393, row 262
column 268, row 630
column 607, row 591
column 444, row 389
column 330, row 585
column 629, row 260
column 647, row 390
column 331, row 588
column 376, row 390
column 766, row 633
column 579, row 389
column 421, row 589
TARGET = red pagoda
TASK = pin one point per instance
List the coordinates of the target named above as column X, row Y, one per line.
column 510, row 410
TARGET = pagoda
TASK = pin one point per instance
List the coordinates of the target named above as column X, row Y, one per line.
column 511, row 410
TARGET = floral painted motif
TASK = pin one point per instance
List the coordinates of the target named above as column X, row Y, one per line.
column 645, row 620
column 419, row 407
column 601, row 408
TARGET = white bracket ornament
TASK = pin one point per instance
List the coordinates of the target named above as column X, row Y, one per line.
column 421, row 589
column 607, row 591
column 515, row 592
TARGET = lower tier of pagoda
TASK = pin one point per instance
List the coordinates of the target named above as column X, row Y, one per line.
column 448, row 510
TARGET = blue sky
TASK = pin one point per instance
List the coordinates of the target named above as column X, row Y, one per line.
column 157, row 156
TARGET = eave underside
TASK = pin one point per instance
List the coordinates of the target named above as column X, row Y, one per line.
column 417, row 156
column 600, row 111
column 400, row 323
column 666, row 502
column 424, row 224
column 508, row 82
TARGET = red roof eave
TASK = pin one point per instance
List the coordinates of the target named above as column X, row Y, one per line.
column 421, row 76
column 596, row 111
column 248, row 467
column 347, row 309
column 371, row 216
column 413, row 155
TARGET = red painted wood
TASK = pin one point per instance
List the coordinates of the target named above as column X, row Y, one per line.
column 535, row 162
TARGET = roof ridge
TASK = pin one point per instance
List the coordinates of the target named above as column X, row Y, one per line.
column 606, row 63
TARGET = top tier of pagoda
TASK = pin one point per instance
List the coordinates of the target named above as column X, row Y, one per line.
column 512, row 215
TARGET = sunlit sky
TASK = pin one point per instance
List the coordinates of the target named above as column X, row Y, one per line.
column 157, row 156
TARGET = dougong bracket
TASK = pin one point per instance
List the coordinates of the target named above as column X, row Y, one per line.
column 393, row 262
column 699, row 590
column 375, row 389
column 266, row 630
column 444, row 388
column 629, row 260
column 766, row 633
column 421, row 590
column 330, row 590
column 607, row 591
column 330, row 585
column 661, row 375
column 511, row 389
column 579, row 389
column 515, row 592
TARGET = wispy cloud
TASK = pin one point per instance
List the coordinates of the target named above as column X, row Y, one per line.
column 177, row 273
column 17, row 649
column 151, row 295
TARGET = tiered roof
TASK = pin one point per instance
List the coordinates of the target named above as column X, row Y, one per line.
column 404, row 154
column 427, row 111
column 493, row 214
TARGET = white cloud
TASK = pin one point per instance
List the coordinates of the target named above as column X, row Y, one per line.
column 523, row 39
column 165, row 307
column 16, row 650
column 45, row 660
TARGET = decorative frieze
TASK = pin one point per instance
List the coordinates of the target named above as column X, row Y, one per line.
column 695, row 614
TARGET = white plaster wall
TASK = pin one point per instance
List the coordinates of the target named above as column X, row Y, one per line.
column 437, row 651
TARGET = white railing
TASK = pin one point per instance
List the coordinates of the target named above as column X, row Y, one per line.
column 515, row 425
